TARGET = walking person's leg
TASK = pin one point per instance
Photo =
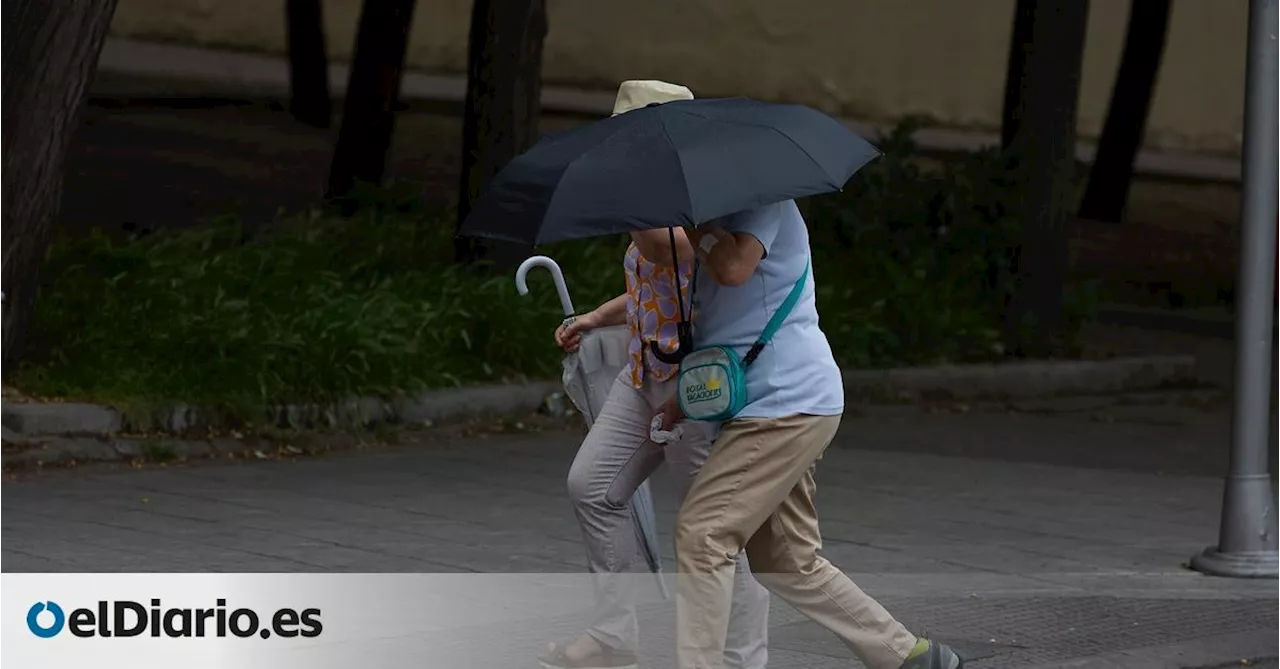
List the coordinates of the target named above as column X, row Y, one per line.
column 613, row 460
column 756, row 490
column 747, row 641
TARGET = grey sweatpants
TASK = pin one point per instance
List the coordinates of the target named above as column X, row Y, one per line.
column 613, row 460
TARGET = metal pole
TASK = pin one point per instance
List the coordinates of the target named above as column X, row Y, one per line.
column 1247, row 543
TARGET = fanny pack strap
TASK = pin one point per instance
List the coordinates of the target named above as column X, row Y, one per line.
column 771, row 328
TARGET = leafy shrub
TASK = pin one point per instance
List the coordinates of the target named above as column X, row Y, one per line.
column 912, row 262
column 313, row 308
column 917, row 258
column 924, row 269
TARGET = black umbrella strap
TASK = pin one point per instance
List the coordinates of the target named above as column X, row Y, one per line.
column 684, row 329
column 675, row 269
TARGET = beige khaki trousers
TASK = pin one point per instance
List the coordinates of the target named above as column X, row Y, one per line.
column 756, row 491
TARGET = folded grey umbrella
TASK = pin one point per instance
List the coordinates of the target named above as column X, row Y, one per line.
column 589, row 374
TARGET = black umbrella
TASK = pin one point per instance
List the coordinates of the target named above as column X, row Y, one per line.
column 679, row 163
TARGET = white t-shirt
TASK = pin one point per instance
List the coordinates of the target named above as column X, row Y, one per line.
column 795, row 373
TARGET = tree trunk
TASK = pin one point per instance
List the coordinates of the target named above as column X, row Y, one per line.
column 309, row 100
column 1107, row 193
column 1044, row 148
column 368, row 117
column 1015, row 76
column 50, row 55
column 504, row 87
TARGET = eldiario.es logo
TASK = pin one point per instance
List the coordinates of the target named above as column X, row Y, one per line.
column 124, row 618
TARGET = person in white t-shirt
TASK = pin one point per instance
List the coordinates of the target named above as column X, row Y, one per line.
column 756, row 489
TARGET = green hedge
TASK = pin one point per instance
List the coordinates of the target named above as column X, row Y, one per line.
column 911, row 264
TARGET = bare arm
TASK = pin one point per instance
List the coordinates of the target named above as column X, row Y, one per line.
column 730, row 257
column 613, row 312
column 655, row 245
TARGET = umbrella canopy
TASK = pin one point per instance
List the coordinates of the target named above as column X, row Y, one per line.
column 679, row 163
column 588, row 376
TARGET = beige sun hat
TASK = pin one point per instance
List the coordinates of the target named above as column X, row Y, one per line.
column 639, row 93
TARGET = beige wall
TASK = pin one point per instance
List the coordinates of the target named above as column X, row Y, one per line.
column 875, row 60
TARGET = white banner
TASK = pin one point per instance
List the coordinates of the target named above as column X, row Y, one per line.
column 312, row 621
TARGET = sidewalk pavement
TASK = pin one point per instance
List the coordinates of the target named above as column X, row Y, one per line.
column 1053, row 536
column 230, row 72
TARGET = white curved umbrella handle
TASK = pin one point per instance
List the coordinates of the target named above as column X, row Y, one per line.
column 556, row 275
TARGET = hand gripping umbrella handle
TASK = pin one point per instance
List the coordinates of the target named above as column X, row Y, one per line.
column 556, row 275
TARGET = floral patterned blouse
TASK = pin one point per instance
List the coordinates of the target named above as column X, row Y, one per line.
column 652, row 314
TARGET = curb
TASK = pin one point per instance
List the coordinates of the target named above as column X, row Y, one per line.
column 30, row 420
column 38, row 434
column 1023, row 379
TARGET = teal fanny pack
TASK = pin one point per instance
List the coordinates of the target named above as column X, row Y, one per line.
column 712, row 381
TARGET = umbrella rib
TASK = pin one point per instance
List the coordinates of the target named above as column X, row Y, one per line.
column 501, row 237
column 802, row 150
column 688, row 198
column 766, row 127
column 556, row 188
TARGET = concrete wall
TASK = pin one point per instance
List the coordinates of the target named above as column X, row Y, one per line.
column 875, row 60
